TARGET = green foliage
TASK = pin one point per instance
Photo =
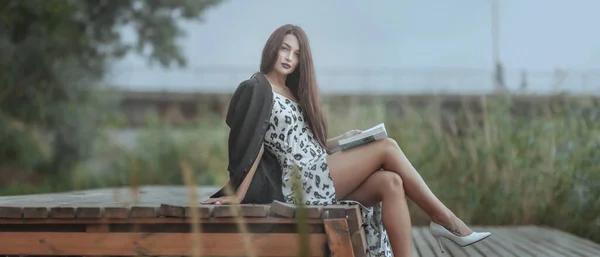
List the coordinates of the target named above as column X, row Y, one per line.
column 160, row 150
column 20, row 146
column 55, row 53
column 496, row 168
column 501, row 167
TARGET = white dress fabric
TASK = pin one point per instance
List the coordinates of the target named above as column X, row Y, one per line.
column 291, row 140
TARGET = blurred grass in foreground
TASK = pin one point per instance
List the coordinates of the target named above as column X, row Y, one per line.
column 490, row 167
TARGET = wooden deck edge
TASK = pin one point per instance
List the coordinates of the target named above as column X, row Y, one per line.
column 275, row 209
column 161, row 220
column 155, row 244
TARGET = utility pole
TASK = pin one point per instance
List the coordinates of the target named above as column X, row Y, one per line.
column 498, row 77
column 496, row 50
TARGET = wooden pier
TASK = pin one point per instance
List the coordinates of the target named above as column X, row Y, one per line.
column 156, row 221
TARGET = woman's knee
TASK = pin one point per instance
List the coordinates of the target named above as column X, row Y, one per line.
column 390, row 145
column 391, row 183
column 390, row 148
column 390, row 142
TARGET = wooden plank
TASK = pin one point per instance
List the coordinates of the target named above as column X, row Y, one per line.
column 167, row 210
column 335, row 212
column 575, row 241
column 359, row 243
column 501, row 246
column 541, row 241
column 246, row 210
column 88, row 212
column 428, row 238
column 97, row 228
column 202, row 211
column 155, row 244
column 470, row 250
column 421, row 244
column 549, row 250
column 282, row 209
column 148, row 196
column 255, row 211
column 35, row 212
column 116, row 212
column 313, row 211
column 525, row 244
column 62, row 212
column 482, row 247
column 143, row 212
column 354, row 217
column 225, row 211
column 338, row 237
column 158, row 220
column 415, row 251
column 553, row 241
column 11, row 212
column 519, row 248
column 450, row 248
column 357, row 233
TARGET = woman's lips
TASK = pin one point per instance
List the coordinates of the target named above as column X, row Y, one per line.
column 286, row 66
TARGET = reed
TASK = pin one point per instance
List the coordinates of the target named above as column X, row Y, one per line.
column 493, row 164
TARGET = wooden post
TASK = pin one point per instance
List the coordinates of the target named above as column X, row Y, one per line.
column 338, row 237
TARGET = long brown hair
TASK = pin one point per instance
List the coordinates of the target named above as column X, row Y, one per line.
column 302, row 82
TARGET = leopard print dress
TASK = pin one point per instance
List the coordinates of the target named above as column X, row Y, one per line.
column 291, row 140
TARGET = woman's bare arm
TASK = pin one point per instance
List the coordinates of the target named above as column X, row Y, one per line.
column 240, row 193
column 332, row 143
column 243, row 188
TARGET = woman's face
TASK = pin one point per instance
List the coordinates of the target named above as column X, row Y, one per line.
column 288, row 55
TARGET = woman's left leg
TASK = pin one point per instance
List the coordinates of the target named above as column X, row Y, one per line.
column 386, row 187
column 392, row 158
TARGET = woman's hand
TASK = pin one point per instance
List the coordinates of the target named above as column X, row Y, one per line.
column 333, row 143
column 351, row 133
column 222, row 200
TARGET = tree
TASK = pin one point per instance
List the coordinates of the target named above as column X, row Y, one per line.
column 54, row 53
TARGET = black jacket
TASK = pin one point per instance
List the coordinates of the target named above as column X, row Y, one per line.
column 248, row 118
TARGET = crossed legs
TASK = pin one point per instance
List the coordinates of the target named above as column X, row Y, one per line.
column 357, row 175
column 387, row 187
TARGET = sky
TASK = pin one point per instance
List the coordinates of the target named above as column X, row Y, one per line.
column 404, row 46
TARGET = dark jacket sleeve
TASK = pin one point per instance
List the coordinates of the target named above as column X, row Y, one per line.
column 248, row 119
column 247, row 124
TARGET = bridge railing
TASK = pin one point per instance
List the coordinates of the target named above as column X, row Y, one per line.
column 219, row 79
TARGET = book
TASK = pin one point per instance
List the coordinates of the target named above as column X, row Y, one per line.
column 373, row 134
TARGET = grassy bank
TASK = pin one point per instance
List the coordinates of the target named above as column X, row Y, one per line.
column 496, row 167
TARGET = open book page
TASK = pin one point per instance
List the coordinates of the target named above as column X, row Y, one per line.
column 379, row 126
column 370, row 135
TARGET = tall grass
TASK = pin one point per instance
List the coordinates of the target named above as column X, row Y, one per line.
column 495, row 166
column 501, row 167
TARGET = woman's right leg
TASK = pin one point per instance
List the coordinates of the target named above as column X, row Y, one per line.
column 386, row 187
column 351, row 168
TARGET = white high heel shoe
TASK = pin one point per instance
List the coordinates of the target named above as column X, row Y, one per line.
column 438, row 231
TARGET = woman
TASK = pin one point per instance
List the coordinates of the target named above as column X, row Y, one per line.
column 277, row 123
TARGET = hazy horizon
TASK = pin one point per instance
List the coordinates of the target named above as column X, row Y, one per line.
column 408, row 39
